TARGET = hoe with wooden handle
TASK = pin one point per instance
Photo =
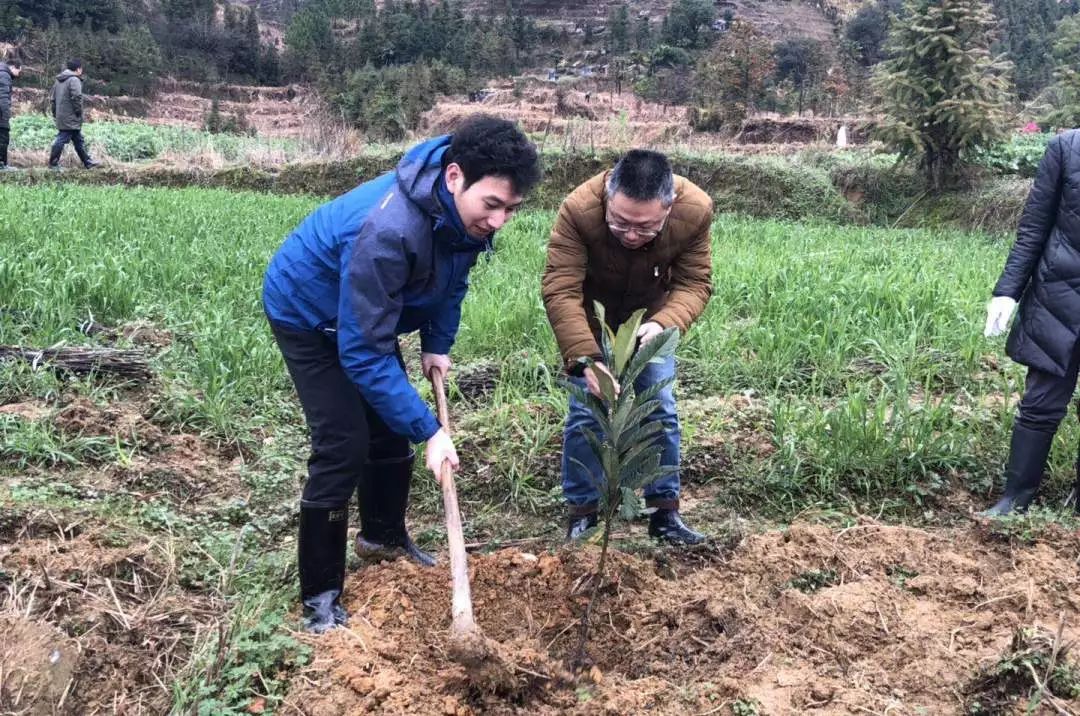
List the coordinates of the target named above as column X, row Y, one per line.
column 469, row 644
column 488, row 663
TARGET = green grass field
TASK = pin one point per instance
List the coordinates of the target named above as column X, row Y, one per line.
column 837, row 372
column 138, row 141
column 833, row 328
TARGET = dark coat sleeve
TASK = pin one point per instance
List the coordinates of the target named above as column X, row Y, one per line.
column 5, row 98
column 1036, row 223
column 76, row 96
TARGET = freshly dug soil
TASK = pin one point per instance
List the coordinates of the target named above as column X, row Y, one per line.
column 868, row 619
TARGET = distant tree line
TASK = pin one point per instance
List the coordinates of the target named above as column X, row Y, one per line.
column 125, row 49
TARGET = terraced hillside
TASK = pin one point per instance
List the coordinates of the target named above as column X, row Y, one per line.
column 778, row 18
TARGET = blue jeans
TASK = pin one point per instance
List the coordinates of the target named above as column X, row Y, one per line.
column 64, row 136
column 578, row 488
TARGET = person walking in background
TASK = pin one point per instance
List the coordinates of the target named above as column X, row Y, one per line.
column 66, row 105
column 9, row 71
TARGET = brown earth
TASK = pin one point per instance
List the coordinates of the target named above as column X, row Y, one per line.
column 590, row 115
column 869, row 619
column 39, row 663
column 873, row 618
column 93, row 622
column 182, row 467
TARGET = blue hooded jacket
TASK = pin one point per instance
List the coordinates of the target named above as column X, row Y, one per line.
column 389, row 257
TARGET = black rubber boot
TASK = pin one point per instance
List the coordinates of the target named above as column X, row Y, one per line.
column 321, row 559
column 1028, row 451
column 581, row 520
column 383, row 494
column 666, row 525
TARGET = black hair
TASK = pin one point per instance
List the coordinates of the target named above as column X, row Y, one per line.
column 488, row 146
column 74, row 64
column 643, row 175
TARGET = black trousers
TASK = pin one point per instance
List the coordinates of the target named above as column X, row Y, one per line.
column 1047, row 397
column 62, row 138
column 5, row 139
column 345, row 431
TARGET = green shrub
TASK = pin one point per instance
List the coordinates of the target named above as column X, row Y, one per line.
column 1019, row 155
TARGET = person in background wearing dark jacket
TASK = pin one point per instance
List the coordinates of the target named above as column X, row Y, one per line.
column 66, row 105
column 1042, row 273
column 390, row 257
column 8, row 72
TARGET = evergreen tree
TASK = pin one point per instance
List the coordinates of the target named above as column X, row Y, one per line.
column 13, row 24
column 689, row 24
column 309, row 39
column 1066, row 51
column 1028, row 34
column 619, row 28
column 942, row 91
column 188, row 9
column 643, row 34
column 868, row 29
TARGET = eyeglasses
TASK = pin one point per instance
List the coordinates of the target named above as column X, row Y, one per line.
column 617, row 228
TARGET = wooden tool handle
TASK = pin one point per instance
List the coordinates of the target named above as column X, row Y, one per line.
column 461, row 606
column 441, row 410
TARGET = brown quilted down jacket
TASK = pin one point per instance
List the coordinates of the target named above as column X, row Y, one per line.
column 671, row 276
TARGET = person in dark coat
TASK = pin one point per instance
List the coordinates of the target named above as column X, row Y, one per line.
column 66, row 105
column 1042, row 277
column 8, row 72
column 390, row 257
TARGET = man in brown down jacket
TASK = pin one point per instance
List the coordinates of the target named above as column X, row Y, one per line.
column 635, row 237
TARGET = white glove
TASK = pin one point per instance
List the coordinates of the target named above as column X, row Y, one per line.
column 998, row 313
column 439, row 448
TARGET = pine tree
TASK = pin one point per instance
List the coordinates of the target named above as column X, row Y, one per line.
column 643, row 34
column 1028, row 33
column 619, row 28
column 942, row 91
column 1066, row 49
column 689, row 24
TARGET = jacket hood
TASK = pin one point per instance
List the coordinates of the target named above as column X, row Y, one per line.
column 418, row 171
column 420, row 177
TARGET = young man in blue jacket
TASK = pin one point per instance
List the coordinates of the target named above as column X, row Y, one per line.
column 390, row 257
